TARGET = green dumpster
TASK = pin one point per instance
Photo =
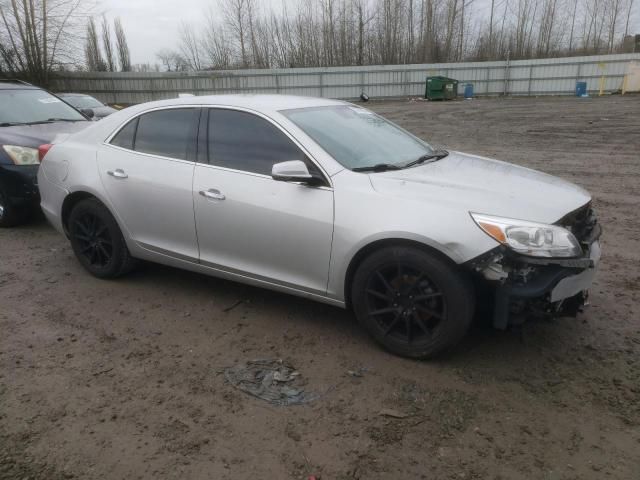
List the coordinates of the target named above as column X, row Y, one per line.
column 441, row 88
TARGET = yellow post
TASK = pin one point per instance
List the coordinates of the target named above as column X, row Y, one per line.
column 624, row 84
column 602, row 66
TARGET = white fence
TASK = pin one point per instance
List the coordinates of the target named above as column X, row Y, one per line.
column 553, row 76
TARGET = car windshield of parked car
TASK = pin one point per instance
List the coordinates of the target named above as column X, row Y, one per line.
column 83, row 101
column 34, row 106
column 358, row 138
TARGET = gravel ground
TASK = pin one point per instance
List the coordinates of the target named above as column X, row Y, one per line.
column 123, row 379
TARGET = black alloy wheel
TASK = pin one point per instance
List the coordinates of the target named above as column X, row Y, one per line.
column 97, row 240
column 412, row 302
column 94, row 239
column 405, row 302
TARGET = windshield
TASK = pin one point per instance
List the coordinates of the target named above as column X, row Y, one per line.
column 34, row 106
column 84, row 101
column 358, row 138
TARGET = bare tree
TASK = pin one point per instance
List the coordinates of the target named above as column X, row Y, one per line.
column 172, row 60
column 145, row 67
column 235, row 13
column 122, row 46
column 573, row 23
column 613, row 17
column 93, row 55
column 107, row 45
column 190, row 46
column 546, row 29
column 166, row 58
column 451, row 15
column 490, row 38
column 216, row 47
column 629, row 10
column 361, row 32
column 363, row 19
column 39, row 36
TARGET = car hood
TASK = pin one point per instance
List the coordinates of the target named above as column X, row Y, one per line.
column 36, row 135
column 101, row 112
column 483, row 185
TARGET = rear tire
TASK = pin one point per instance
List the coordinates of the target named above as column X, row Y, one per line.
column 413, row 303
column 97, row 240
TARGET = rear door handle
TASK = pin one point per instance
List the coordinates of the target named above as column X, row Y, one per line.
column 213, row 194
column 118, row 173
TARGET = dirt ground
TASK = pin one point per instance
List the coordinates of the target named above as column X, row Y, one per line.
column 122, row 379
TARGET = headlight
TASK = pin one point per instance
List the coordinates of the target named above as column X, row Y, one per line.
column 22, row 155
column 529, row 238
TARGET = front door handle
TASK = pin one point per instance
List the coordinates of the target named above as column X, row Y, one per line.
column 213, row 194
column 118, row 173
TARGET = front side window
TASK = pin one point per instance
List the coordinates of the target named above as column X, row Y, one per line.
column 243, row 141
column 32, row 106
column 358, row 138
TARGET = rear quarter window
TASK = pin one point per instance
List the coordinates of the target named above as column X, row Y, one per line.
column 124, row 138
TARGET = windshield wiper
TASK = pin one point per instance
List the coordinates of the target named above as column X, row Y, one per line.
column 39, row 122
column 52, row 120
column 36, row 122
column 380, row 167
column 439, row 154
column 64, row 120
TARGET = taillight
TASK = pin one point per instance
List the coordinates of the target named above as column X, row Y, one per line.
column 43, row 150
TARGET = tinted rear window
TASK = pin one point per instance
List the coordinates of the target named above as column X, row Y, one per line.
column 169, row 133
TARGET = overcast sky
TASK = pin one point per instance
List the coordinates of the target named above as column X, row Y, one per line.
column 152, row 25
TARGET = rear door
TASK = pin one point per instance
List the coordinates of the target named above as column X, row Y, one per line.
column 147, row 171
column 249, row 223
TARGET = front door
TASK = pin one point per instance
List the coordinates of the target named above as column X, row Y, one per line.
column 250, row 224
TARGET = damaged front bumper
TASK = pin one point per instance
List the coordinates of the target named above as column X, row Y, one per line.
column 525, row 286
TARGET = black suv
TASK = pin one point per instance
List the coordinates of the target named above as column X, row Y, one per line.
column 29, row 117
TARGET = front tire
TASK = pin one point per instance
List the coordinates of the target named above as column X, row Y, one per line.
column 97, row 241
column 413, row 303
column 10, row 215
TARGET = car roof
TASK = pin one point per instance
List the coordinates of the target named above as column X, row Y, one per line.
column 73, row 95
column 259, row 102
column 9, row 84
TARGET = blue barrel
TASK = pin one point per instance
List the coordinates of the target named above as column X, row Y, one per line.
column 581, row 89
column 468, row 90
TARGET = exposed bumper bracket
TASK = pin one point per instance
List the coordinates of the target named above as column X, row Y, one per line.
column 538, row 287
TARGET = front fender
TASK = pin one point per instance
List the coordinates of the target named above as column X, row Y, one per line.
column 364, row 216
column 341, row 262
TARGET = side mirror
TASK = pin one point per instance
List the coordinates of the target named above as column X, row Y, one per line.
column 292, row 171
column 88, row 112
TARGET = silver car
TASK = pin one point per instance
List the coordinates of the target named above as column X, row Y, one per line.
column 88, row 105
column 326, row 200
